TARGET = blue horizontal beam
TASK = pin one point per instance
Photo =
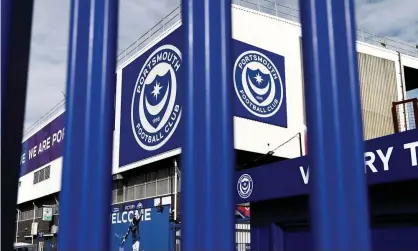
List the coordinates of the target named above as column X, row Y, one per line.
column 293, row 177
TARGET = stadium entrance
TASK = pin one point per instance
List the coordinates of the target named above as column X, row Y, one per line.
column 279, row 197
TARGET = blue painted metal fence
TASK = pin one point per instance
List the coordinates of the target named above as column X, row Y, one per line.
column 339, row 199
column 16, row 27
column 87, row 166
column 208, row 152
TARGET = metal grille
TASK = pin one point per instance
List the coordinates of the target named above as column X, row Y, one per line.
column 42, row 175
column 158, row 187
column 242, row 236
column 405, row 115
column 378, row 91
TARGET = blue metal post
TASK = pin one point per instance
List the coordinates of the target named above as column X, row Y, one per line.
column 208, row 153
column 86, row 184
column 339, row 209
column 16, row 27
column 5, row 28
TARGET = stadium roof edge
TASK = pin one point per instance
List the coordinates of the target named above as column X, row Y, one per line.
column 278, row 11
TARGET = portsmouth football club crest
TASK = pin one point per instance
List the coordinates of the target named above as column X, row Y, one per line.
column 258, row 84
column 156, row 111
column 245, row 186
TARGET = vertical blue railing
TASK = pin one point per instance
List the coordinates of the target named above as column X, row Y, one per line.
column 208, row 153
column 86, row 184
column 16, row 27
column 339, row 199
column 339, row 210
column 5, row 28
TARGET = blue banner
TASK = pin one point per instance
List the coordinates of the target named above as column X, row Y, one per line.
column 151, row 107
column 152, row 87
column 44, row 146
column 387, row 159
column 259, row 83
column 154, row 227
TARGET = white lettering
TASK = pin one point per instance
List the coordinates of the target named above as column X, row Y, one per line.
column 124, row 217
column 58, row 136
column 147, row 214
column 22, row 159
column 32, row 152
column 48, row 142
column 412, row 148
column 130, row 216
column 114, row 218
column 127, row 216
column 40, row 148
column 305, row 176
column 369, row 162
column 385, row 157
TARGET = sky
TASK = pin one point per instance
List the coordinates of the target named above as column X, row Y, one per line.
column 396, row 19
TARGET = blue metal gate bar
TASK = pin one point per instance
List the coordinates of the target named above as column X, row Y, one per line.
column 16, row 27
column 5, row 28
column 208, row 154
column 86, row 183
column 339, row 210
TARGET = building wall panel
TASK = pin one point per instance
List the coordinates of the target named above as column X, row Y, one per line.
column 378, row 91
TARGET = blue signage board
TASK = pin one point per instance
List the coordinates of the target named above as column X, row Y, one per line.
column 153, row 230
column 151, row 101
column 153, row 84
column 387, row 159
column 259, row 84
column 44, row 146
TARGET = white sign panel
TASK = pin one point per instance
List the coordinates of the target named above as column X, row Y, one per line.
column 47, row 214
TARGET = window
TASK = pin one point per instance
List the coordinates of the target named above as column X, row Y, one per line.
column 29, row 214
column 150, row 176
column 38, row 212
column 151, row 189
column 163, row 173
column 47, row 172
column 163, row 186
column 35, row 177
column 130, row 193
column 26, row 215
column 146, row 185
column 41, row 175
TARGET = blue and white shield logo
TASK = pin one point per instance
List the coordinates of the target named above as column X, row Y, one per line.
column 155, row 111
column 245, row 186
column 258, row 84
column 139, row 205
